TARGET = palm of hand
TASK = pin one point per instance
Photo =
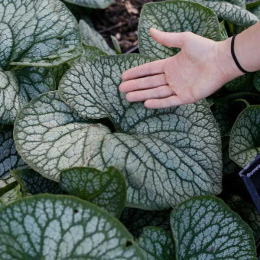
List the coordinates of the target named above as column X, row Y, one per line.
column 182, row 79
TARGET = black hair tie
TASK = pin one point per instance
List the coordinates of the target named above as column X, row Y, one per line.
column 234, row 55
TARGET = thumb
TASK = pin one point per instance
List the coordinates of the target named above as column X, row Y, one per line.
column 169, row 39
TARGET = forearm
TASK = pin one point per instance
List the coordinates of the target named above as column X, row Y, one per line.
column 247, row 51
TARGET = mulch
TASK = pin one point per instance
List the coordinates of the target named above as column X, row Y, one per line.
column 120, row 20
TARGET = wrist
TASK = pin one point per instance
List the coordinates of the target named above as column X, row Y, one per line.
column 225, row 62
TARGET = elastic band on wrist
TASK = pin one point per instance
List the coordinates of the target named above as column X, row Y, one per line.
column 234, row 55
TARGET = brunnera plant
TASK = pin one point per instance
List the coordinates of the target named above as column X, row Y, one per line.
column 160, row 159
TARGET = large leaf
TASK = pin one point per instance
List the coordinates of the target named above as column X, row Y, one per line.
column 245, row 136
column 9, row 157
column 91, row 37
column 206, row 228
column 32, row 183
column 247, row 212
column 174, row 16
column 230, row 12
column 157, row 244
column 18, row 87
column 37, row 33
column 92, row 3
column 105, row 189
column 50, row 137
column 166, row 155
column 137, row 219
column 62, row 227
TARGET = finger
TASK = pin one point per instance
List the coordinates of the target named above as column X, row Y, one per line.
column 143, row 83
column 171, row 101
column 170, row 39
column 147, row 69
column 160, row 92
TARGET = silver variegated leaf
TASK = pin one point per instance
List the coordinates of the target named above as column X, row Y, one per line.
column 102, row 4
column 166, row 155
column 18, row 87
column 244, row 138
column 37, row 33
column 9, row 157
column 50, row 137
column 52, row 227
column 174, row 16
column 157, row 244
column 230, row 12
column 206, row 228
column 106, row 189
column 91, row 37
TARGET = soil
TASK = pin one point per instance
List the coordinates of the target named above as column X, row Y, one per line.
column 121, row 20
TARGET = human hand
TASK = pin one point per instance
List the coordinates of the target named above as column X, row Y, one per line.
column 198, row 70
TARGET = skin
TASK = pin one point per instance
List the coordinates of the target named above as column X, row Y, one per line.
column 197, row 71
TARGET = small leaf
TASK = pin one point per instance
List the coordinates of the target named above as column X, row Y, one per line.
column 137, row 219
column 33, row 183
column 245, row 136
column 102, row 4
column 9, row 157
column 91, row 37
column 206, row 228
column 52, row 227
column 157, row 244
column 37, row 33
column 106, row 189
column 116, row 45
column 247, row 212
column 174, row 16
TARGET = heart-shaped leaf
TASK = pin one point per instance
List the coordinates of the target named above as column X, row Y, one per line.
column 92, row 3
column 245, row 136
column 157, row 244
column 9, row 157
column 11, row 195
column 33, row 183
column 37, row 33
column 52, row 227
column 150, row 145
column 106, row 189
column 206, row 228
column 174, row 16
